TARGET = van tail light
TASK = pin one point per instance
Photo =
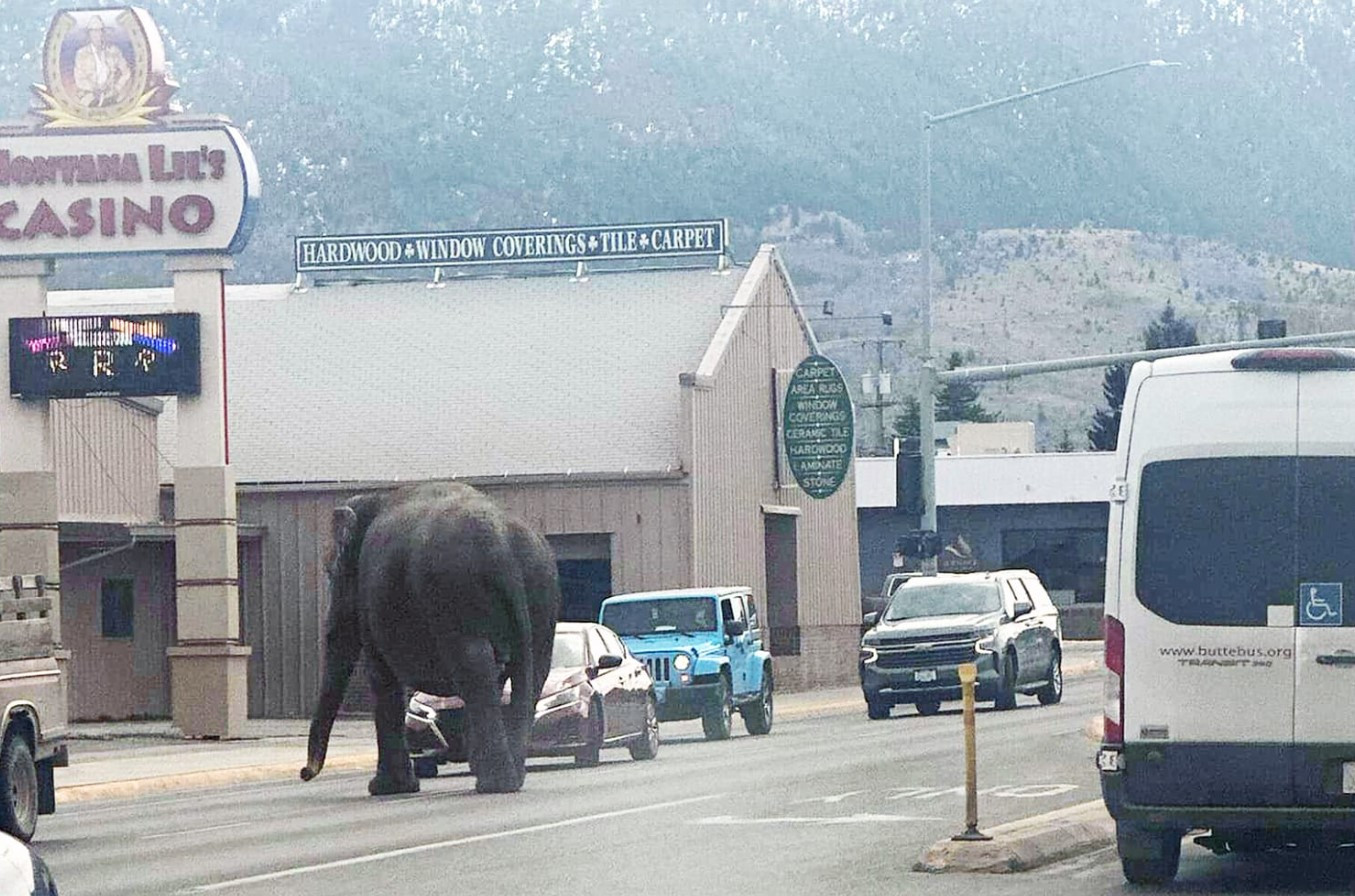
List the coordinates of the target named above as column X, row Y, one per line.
column 1114, row 641
column 1295, row 359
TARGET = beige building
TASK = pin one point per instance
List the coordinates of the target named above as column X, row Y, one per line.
column 629, row 415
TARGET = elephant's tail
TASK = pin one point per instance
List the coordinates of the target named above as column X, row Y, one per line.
column 524, row 696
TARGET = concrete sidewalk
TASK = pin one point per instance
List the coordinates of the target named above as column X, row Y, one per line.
column 110, row 760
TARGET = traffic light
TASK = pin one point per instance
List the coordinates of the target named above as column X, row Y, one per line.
column 908, row 496
column 919, row 544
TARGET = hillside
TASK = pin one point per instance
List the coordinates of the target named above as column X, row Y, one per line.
column 1007, row 296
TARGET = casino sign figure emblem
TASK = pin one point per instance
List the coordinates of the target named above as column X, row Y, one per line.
column 104, row 68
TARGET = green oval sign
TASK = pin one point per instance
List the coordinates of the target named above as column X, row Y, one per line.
column 819, row 427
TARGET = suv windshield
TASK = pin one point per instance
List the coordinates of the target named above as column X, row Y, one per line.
column 674, row 614
column 912, row 601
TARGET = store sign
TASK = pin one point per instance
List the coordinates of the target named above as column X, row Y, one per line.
column 103, row 68
column 103, row 354
column 105, row 169
column 819, row 427
column 531, row 245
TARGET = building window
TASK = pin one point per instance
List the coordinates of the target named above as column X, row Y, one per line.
column 116, row 608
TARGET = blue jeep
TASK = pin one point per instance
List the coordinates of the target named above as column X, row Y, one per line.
column 704, row 650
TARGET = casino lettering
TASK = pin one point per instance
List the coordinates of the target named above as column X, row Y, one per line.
column 108, row 215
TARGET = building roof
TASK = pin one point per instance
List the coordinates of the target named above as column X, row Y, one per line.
column 388, row 380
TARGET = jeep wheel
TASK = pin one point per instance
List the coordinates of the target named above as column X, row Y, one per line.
column 1148, row 857
column 18, row 787
column 590, row 753
column 876, row 708
column 928, row 707
column 1053, row 692
column 1006, row 693
column 757, row 716
column 719, row 715
column 646, row 746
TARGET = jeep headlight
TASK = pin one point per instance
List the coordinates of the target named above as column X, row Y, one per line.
column 868, row 654
column 682, row 662
column 558, row 699
column 986, row 642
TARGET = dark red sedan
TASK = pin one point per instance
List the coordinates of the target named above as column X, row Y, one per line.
column 597, row 695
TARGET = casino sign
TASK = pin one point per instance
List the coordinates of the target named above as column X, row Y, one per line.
column 110, row 166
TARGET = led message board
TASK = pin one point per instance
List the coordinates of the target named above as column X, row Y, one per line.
column 104, row 354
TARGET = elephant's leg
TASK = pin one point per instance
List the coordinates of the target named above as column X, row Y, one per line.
column 477, row 674
column 394, row 770
column 519, row 714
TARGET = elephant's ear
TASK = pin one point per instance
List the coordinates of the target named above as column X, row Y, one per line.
column 343, row 526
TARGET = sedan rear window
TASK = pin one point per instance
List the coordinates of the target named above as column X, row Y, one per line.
column 912, row 601
column 568, row 651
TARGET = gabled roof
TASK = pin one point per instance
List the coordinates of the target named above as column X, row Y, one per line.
column 388, row 380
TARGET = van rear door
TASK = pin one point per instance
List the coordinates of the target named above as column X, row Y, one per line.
column 1206, row 596
column 1324, row 656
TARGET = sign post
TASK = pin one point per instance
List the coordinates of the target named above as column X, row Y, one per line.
column 109, row 165
column 969, row 676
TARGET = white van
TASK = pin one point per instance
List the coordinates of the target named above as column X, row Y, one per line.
column 1230, row 656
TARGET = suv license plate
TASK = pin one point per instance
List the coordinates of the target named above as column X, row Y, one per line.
column 1348, row 777
column 930, row 675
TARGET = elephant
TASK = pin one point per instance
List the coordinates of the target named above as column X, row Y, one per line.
column 443, row 592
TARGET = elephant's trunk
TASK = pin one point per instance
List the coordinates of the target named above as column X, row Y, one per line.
column 343, row 644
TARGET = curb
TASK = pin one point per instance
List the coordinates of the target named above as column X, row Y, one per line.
column 1026, row 844
column 134, row 787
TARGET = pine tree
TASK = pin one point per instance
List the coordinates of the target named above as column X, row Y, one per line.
column 960, row 401
column 1167, row 331
column 954, row 401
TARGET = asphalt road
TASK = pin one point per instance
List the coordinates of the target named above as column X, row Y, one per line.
column 836, row 804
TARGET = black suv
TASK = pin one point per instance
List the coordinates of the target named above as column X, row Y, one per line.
column 1003, row 621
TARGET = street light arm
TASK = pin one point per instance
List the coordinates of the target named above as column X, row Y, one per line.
column 1028, row 94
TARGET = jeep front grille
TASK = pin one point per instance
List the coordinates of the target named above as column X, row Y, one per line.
column 658, row 667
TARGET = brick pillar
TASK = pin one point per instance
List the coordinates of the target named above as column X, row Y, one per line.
column 208, row 664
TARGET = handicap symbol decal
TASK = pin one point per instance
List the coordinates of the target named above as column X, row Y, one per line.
column 1320, row 603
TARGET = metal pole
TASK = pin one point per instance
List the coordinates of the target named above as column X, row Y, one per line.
column 969, row 674
column 926, row 381
column 879, row 392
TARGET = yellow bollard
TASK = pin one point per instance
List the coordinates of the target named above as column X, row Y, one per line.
column 969, row 674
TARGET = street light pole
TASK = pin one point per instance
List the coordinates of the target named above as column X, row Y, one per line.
column 927, row 379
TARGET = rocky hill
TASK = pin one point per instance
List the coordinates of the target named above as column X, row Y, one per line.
column 1017, row 295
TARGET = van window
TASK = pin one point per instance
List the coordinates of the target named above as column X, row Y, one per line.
column 1325, row 551
column 1216, row 539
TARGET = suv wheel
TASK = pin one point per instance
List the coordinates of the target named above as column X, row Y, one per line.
column 757, row 716
column 928, row 707
column 1053, row 692
column 719, row 715
column 876, row 708
column 1006, row 694
column 1148, row 856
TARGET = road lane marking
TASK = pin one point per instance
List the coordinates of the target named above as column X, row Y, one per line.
column 859, row 818
column 216, row 827
column 445, row 844
column 836, row 798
